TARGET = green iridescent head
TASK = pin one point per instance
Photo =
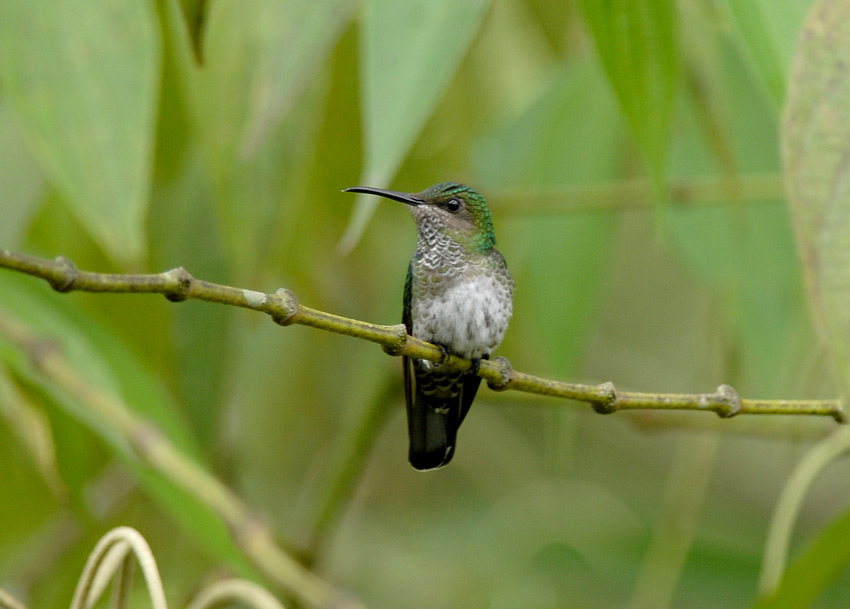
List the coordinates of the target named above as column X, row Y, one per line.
column 455, row 208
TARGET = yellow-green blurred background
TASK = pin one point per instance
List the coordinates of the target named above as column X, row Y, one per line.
column 630, row 154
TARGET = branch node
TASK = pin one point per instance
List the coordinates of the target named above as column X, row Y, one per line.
column 69, row 272
column 286, row 307
column 506, row 373
column 179, row 284
column 609, row 402
column 400, row 342
column 728, row 400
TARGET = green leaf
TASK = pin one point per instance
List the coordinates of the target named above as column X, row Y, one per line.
column 819, row 566
column 410, row 51
column 815, row 149
column 636, row 42
column 84, row 79
column 768, row 29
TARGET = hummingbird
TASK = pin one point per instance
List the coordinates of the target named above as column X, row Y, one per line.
column 458, row 295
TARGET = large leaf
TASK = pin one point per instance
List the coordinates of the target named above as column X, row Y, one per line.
column 410, row 51
column 636, row 41
column 83, row 77
column 816, row 147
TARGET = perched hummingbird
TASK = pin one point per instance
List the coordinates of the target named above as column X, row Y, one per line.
column 458, row 295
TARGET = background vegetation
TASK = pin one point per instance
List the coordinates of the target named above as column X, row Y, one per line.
column 631, row 155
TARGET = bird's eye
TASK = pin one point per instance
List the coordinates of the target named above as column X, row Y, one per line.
column 453, row 205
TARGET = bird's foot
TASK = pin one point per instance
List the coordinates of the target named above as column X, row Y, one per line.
column 476, row 363
column 445, row 354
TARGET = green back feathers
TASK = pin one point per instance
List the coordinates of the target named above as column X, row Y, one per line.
column 485, row 238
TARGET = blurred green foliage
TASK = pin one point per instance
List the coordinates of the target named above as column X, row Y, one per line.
column 217, row 135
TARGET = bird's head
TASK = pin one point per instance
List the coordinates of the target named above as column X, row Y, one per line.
column 451, row 207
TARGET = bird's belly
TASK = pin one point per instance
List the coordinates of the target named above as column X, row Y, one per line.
column 469, row 318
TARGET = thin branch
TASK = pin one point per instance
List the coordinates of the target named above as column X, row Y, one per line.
column 178, row 285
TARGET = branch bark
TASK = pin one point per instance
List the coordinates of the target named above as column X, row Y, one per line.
column 283, row 307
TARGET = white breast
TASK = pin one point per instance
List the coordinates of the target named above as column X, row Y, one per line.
column 469, row 318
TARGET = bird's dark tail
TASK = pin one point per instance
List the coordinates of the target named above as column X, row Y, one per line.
column 434, row 416
column 433, row 431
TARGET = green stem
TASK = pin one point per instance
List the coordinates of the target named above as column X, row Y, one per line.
column 790, row 501
column 7, row 601
column 638, row 194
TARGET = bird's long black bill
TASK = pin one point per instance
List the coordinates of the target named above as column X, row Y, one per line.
column 404, row 197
